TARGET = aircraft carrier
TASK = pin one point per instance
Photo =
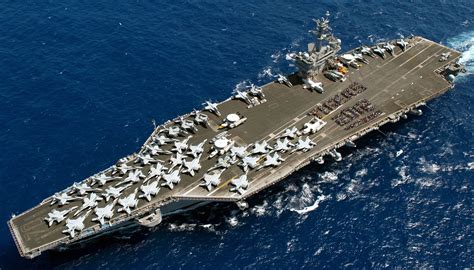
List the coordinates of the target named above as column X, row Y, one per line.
column 231, row 150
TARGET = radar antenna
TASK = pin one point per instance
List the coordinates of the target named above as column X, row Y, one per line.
column 324, row 48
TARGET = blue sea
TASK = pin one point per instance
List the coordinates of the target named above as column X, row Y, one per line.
column 82, row 81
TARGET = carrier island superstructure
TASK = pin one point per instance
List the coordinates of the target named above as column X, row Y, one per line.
column 231, row 150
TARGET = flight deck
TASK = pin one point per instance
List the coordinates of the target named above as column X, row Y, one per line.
column 272, row 141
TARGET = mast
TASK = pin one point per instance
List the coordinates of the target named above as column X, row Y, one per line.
column 324, row 48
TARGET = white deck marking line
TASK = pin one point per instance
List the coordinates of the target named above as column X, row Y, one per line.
column 416, row 55
column 393, row 58
column 408, row 72
column 225, row 183
column 192, row 189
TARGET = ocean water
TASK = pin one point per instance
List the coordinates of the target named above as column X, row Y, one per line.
column 81, row 82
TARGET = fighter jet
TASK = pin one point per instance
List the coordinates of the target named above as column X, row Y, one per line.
column 122, row 168
column 260, row 148
column 271, row 161
column 179, row 119
column 304, row 145
column 62, row 198
column 88, row 203
column 162, row 140
column 200, row 118
column 256, row 91
column 389, row 47
column 238, row 151
column 181, row 146
column 445, row 56
column 156, row 150
column 114, row 192
column 171, row 179
column 192, row 166
column 186, row 124
column 367, row 51
column 211, row 107
column 155, row 171
column 176, row 160
column 360, row 58
column 57, row 216
column 222, row 163
column 82, row 188
column 132, row 177
column 128, row 202
column 380, row 51
column 173, row 131
column 189, row 125
column 73, row 225
column 290, row 133
column 149, row 190
column 144, row 159
column 313, row 126
column 249, row 162
column 102, row 179
column 284, row 80
column 196, row 150
column 316, row 86
column 403, row 44
column 211, row 180
column 240, row 184
column 242, row 96
column 282, row 145
column 105, row 212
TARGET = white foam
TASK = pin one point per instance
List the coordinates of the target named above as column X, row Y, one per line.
column 242, row 85
column 405, row 178
column 399, row 152
column 296, row 43
column 428, row 167
column 464, row 43
column 353, row 187
column 470, row 166
column 209, row 227
column 180, row 228
column 361, row 173
column 311, row 207
column 260, row 210
column 266, row 72
column 317, row 252
column 412, row 135
column 447, row 149
column 341, row 196
column 291, row 188
column 233, row 221
column 276, row 56
column 328, row 177
column 429, row 183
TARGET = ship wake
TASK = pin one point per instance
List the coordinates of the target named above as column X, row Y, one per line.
column 465, row 44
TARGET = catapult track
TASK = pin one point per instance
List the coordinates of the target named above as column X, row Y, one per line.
column 395, row 86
